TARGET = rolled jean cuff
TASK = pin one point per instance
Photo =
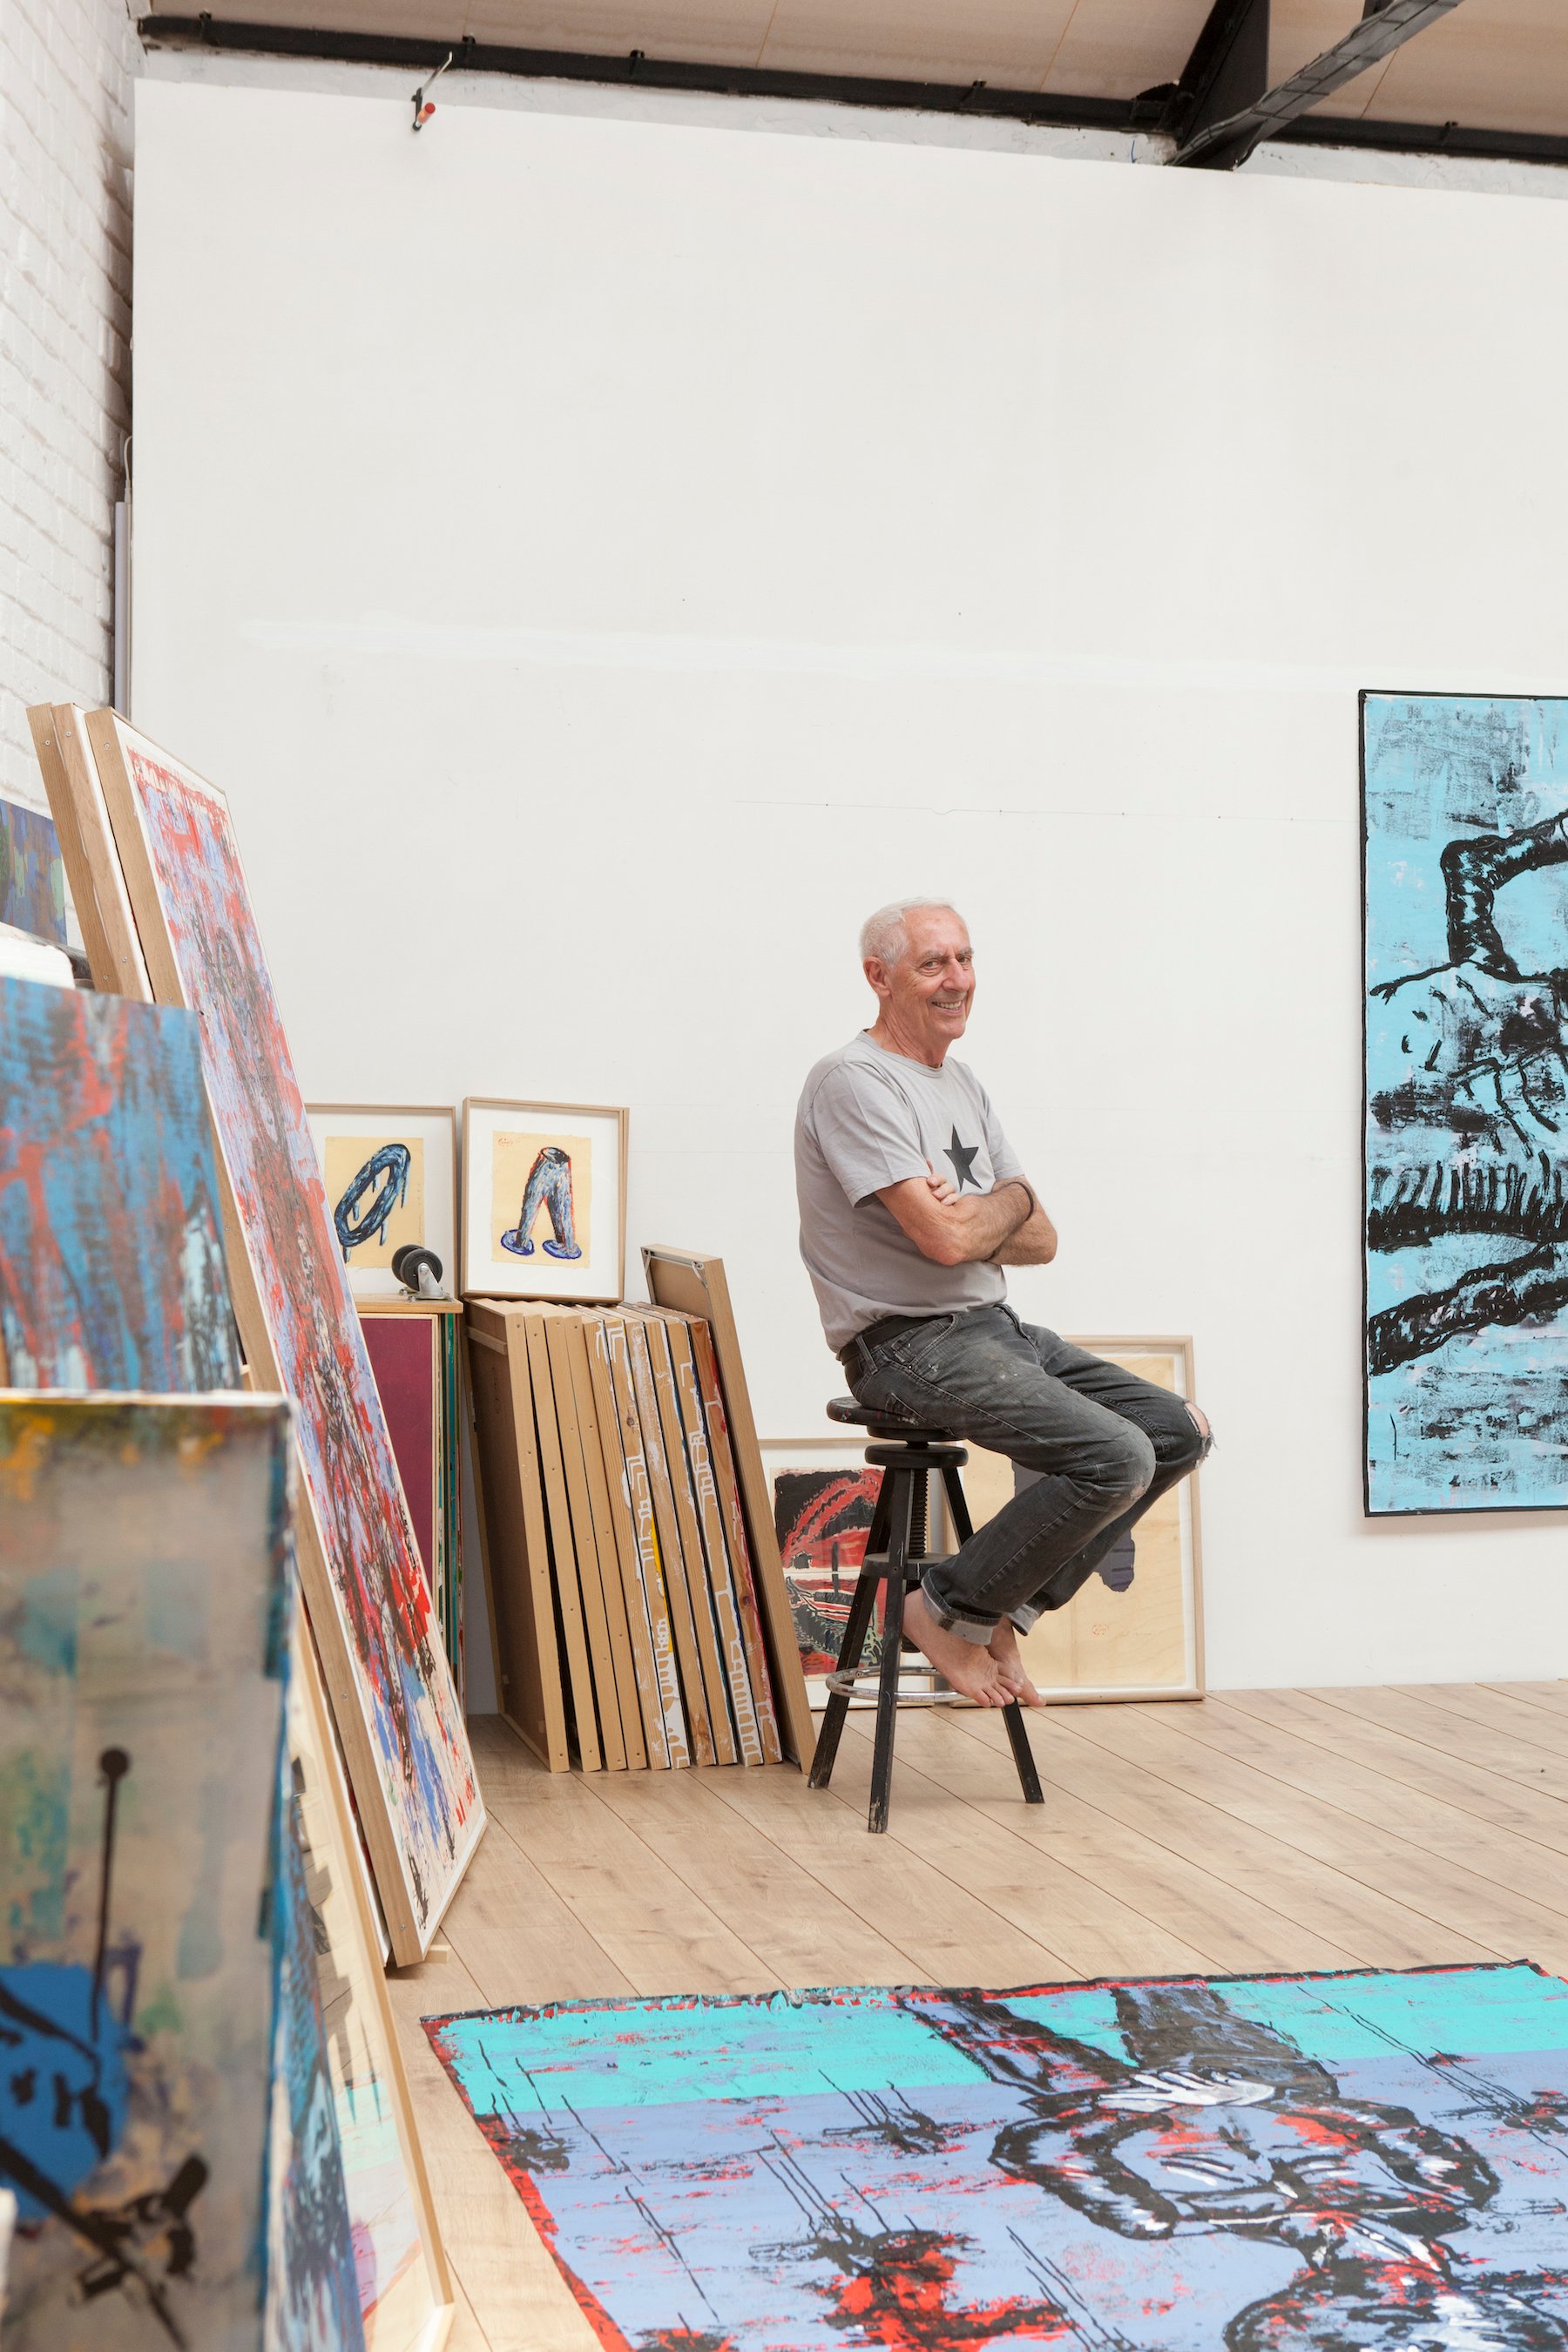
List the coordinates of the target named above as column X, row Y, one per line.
column 1025, row 1616
column 977, row 1630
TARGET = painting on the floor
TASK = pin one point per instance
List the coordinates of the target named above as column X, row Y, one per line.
column 391, row 1179
column 112, row 1262
column 1276, row 2164
column 397, row 1710
column 1135, row 1630
column 143, row 1558
column 32, row 874
column 1465, row 884
column 545, row 1201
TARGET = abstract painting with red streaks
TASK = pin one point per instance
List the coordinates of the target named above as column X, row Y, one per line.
column 111, row 1265
column 424, row 1769
column 1264, row 2164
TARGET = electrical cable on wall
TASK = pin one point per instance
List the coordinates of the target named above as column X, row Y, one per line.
column 423, row 107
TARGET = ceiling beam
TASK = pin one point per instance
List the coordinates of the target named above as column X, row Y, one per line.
column 1131, row 116
column 1226, row 73
column 644, row 72
column 1216, row 139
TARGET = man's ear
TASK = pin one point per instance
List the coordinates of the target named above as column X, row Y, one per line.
column 876, row 972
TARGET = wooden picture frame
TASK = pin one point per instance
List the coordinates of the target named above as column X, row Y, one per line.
column 517, row 1546
column 734, row 1600
column 297, row 1322
column 581, row 1261
column 87, row 845
column 387, row 2187
column 694, row 1282
column 1088, row 1630
column 380, row 1200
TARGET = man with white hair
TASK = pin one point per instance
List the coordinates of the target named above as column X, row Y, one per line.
column 911, row 1202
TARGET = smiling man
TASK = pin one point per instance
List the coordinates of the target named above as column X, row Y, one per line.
column 911, row 1202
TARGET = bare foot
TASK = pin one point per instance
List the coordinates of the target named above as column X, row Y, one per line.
column 1010, row 1665
column 968, row 1667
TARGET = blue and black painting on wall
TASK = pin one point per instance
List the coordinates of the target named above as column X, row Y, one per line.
column 1465, row 892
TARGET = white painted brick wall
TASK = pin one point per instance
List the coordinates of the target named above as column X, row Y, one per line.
column 66, row 68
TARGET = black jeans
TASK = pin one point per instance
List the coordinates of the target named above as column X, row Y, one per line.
column 1104, row 1444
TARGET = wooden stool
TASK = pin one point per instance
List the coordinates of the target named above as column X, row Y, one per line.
column 906, row 1454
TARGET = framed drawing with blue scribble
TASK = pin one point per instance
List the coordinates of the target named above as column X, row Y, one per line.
column 1465, row 897
column 545, row 1201
column 391, row 1179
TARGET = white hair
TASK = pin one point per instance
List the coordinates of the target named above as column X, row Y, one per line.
column 886, row 935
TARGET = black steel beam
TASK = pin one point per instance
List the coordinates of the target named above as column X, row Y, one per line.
column 1472, row 141
column 646, row 72
column 1227, row 72
column 1221, row 142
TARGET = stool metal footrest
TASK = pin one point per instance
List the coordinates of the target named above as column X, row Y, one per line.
column 896, row 1559
column 855, row 1684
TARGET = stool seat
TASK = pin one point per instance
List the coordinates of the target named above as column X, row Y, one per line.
column 880, row 1422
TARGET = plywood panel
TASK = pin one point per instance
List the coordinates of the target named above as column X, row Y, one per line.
column 1008, row 43
column 1502, row 64
column 1114, row 48
column 725, row 32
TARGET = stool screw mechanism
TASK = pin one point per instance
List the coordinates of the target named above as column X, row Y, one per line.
column 896, row 1558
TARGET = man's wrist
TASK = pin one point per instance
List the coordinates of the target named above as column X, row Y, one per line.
column 1028, row 1191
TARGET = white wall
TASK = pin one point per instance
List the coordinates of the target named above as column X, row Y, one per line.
column 65, row 325
column 602, row 558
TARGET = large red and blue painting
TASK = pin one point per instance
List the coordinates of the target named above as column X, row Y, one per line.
column 424, row 1789
column 111, row 1264
column 1184, row 2165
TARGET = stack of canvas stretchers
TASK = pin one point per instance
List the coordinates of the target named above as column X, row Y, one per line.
column 628, row 1621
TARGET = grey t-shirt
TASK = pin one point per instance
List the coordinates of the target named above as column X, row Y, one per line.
column 869, row 1119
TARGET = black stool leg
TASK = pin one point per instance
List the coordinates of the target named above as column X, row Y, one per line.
column 1013, row 1716
column 856, row 1627
column 1023, row 1755
column 903, row 1514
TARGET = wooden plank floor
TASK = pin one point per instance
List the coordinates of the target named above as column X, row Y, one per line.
column 1262, row 1830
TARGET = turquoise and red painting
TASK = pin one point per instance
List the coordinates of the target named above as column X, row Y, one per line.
column 32, row 874
column 423, row 1790
column 1464, row 800
column 1183, row 2165
column 112, row 1262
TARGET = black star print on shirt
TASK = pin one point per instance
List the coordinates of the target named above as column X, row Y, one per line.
column 963, row 1157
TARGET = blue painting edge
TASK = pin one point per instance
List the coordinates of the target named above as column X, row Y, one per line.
column 1414, row 694
column 810, row 1995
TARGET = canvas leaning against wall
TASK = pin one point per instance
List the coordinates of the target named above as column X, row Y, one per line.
column 32, row 874
column 392, row 1180
column 167, row 835
column 824, row 1494
column 144, row 1557
column 545, row 1201
column 112, row 1262
column 1465, row 882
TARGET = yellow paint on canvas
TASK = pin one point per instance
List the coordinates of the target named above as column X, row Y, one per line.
column 345, row 1156
column 511, row 1161
column 1103, row 1640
